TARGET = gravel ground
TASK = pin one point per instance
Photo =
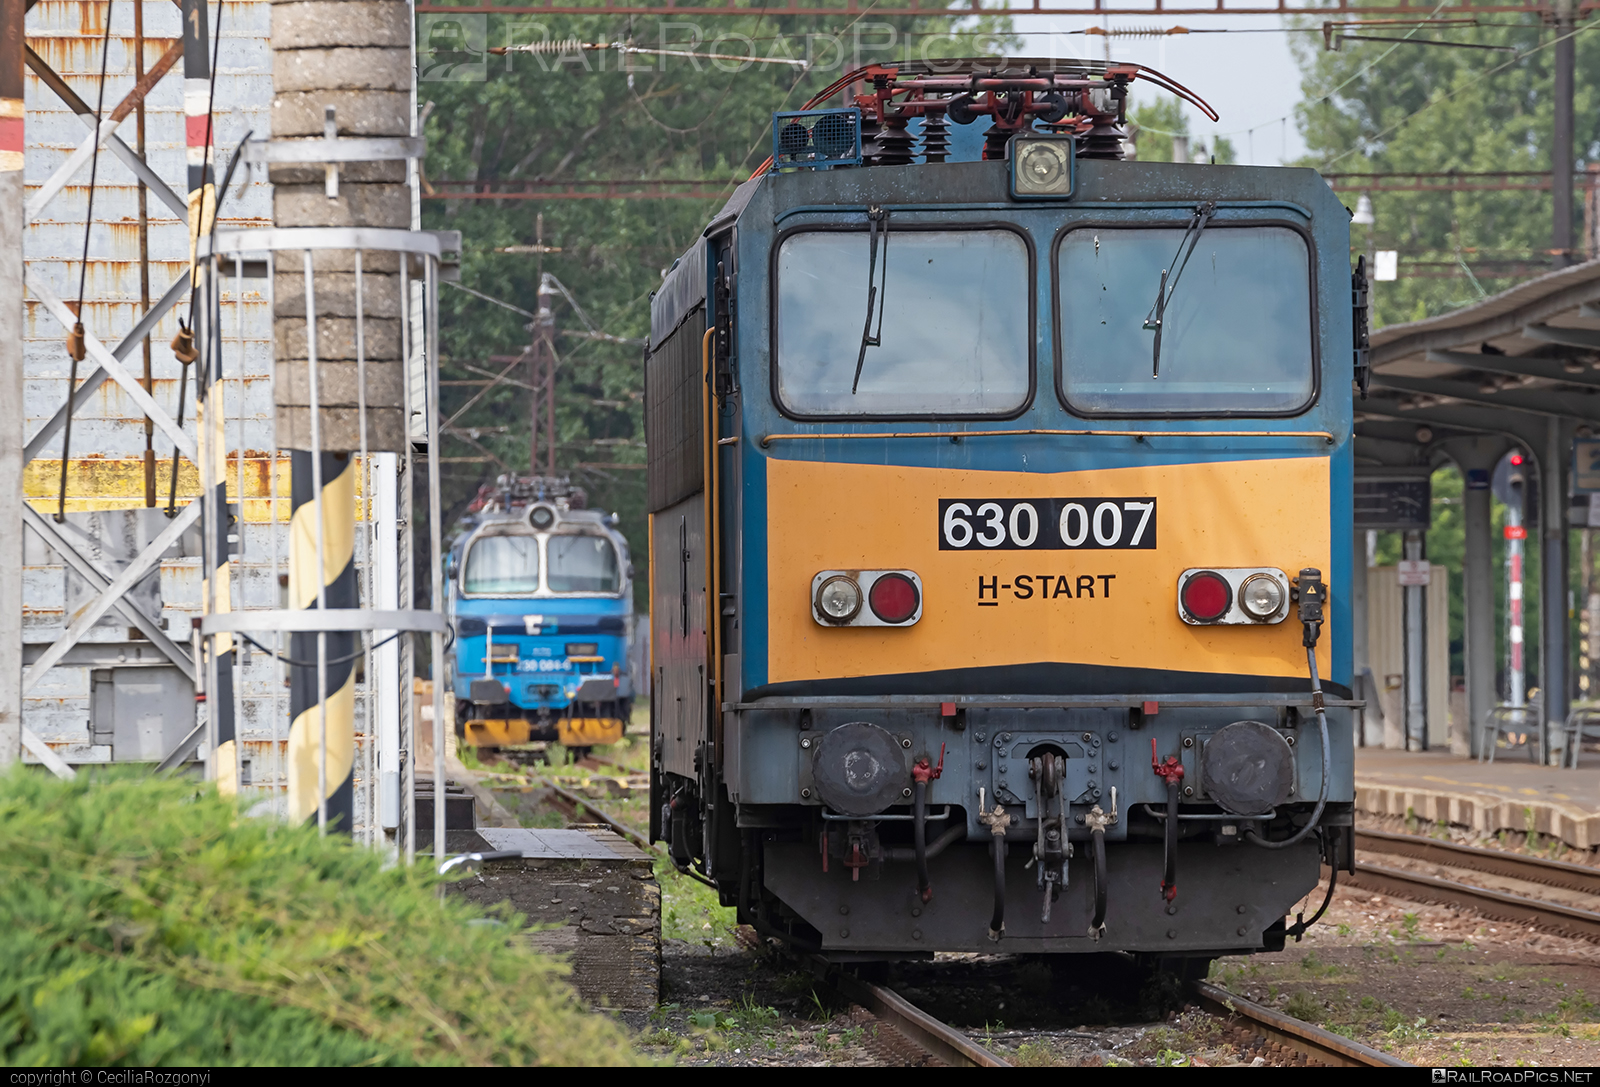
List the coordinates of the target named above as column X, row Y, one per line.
column 1431, row 984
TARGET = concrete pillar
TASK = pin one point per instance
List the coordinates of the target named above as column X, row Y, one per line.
column 340, row 68
column 1414, row 715
column 1553, row 613
column 1361, row 663
column 1562, row 159
column 11, row 337
column 1474, row 456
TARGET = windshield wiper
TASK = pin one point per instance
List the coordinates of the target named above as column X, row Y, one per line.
column 876, row 217
column 1158, row 311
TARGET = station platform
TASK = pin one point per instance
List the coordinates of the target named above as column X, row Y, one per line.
column 1510, row 794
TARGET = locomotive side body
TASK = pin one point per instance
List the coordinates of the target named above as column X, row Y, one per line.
column 1001, row 590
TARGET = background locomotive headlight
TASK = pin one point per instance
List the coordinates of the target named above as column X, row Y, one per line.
column 1261, row 596
column 838, row 599
column 1041, row 168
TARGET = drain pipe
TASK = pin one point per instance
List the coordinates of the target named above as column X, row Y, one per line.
column 922, row 773
column 997, row 821
column 1171, row 771
column 1098, row 820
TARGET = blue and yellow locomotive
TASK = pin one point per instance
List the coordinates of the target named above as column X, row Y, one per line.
column 540, row 593
column 1000, row 530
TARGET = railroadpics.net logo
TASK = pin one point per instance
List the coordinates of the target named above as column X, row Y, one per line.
column 457, row 49
column 1511, row 1075
column 113, row 1076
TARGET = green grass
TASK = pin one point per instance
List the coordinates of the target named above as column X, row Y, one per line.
column 147, row 922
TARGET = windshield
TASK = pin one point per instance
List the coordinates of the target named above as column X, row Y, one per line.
column 1236, row 333
column 502, row 565
column 955, row 333
column 582, row 564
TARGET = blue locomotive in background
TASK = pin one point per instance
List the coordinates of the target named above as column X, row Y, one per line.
column 540, row 594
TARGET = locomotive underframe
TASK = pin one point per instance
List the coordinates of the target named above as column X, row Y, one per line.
column 764, row 839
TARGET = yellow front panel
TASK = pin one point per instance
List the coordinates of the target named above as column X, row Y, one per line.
column 862, row 516
column 588, row 731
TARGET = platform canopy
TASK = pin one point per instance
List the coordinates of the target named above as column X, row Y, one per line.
column 1518, row 368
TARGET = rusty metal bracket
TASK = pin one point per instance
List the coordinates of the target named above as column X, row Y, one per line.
column 114, row 369
column 97, row 376
column 106, row 136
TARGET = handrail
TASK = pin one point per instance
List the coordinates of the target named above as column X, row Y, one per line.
column 1138, row 435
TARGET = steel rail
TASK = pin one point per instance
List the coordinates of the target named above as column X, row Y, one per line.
column 944, row 1042
column 1571, row 877
column 1498, row 905
column 1313, row 1042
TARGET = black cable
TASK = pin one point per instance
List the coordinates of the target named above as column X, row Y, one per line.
column 919, row 838
column 997, row 923
column 94, row 158
column 207, row 163
column 312, row 664
column 1169, row 877
column 1098, row 839
column 1322, row 796
column 76, row 339
column 1298, row 929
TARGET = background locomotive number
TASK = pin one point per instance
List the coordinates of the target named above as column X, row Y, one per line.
column 1047, row 524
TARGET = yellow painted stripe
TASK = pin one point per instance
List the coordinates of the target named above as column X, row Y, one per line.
column 339, row 538
column 213, row 415
column 227, row 769
column 224, row 579
column 119, row 483
column 305, row 750
column 202, row 212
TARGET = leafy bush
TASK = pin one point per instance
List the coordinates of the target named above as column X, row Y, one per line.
column 147, row 922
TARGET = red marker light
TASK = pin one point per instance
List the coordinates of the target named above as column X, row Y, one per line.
column 894, row 598
column 1516, row 459
column 1206, row 596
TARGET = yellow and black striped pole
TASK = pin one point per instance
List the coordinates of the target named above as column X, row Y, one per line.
column 322, row 730
column 216, row 588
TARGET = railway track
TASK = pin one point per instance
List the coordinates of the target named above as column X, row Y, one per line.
column 1499, row 904
column 1311, row 1042
column 956, row 1050
column 942, row 1041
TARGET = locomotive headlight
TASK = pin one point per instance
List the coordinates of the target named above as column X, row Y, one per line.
column 838, row 599
column 1261, row 596
column 1041, row 167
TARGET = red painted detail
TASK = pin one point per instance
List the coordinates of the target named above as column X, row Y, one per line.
column 1516, row 532
column 856, row 862
column 1170, row 770
column 10, row 133
column 947, row 709
column 1152, row 708
column 924, row 772
column 195, row 130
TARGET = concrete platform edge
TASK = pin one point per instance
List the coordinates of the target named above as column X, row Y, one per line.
column 1483, row 812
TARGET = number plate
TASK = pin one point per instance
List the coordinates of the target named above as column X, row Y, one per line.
column 1047, row 524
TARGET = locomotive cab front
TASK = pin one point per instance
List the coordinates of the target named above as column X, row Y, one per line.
column 1000, row 531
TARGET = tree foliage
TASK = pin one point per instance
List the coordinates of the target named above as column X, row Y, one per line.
column 1387, row 107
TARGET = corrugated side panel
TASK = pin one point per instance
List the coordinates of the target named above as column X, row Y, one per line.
column 105, row 466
